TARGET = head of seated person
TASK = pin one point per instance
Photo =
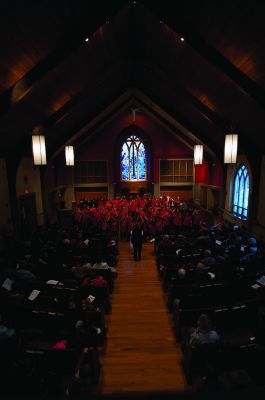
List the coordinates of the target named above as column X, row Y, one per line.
column 232, row 238
column 98, row 259
column 86, row 281
column 182, row 274
column 203, row 227
column 207, row 259
column 72, row 305
column 99, row 281
column 203, row 333
column 252, row 245
column 99, row 263
column 61, row 345
column 83, row 382
column 202, row 242
column 5, row 332
column 67, row 242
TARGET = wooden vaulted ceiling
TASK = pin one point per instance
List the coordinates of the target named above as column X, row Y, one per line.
column 51, row 76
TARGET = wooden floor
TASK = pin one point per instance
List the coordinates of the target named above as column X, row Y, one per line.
column 141, row 353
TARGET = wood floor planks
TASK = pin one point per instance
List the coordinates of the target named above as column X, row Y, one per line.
column 141, row 352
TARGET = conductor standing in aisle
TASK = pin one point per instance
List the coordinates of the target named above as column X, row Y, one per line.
column 137, row 240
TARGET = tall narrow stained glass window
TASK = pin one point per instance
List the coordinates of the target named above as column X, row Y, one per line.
column 133, row 160
column 241, row 192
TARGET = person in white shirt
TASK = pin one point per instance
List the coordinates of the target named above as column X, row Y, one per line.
column 203, row 334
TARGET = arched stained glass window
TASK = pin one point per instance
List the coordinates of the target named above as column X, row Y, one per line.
column 241, row 192
column 133, row 160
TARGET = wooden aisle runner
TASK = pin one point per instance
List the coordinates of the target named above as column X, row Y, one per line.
column 141, row 353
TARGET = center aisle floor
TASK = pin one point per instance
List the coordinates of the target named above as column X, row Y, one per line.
column 141, row 352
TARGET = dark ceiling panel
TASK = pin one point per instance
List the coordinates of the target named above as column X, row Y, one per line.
column 36, row 39
column 49, row 75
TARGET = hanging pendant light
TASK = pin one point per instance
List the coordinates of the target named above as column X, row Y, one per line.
column 69, row 156
column 198, row 154
column 230, row 150
column 39, row 149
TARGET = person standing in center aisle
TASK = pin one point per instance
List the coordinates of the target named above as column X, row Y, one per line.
column 137, row 240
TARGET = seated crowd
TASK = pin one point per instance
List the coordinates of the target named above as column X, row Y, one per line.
column 55, row 291
column 212, row 275
column 57, row 284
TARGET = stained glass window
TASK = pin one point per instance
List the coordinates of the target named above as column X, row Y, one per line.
column 241, row 192
column 133, row 160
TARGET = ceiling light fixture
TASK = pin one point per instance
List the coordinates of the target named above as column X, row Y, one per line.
column 230, row 150
column 39, row 149
column 198, row 154
column 69, row 156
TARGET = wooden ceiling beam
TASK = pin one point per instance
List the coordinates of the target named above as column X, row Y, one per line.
column 205, row 111
column 246, row 84
column 70, row 43
column 182, row 27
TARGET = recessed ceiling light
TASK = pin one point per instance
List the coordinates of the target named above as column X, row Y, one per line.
column 86, row 39
column 182, row 39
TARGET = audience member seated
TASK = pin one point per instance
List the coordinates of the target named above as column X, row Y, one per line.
column 252, row 246
column 82, row 270
column 5, row 333
column 165, row 246
column 61, row 345
column 98, row 281
column 203, row 333
column 87, row 304
column 200, row 351
column 99, row 264
column 84, row 381
column 179, row 280
column 206, row 261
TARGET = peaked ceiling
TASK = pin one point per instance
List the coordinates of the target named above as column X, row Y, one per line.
column 51, row 76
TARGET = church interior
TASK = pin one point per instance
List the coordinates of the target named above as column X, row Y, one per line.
column 132, row 165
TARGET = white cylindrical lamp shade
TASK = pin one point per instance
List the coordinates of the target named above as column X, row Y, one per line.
column 39, row 150
column 230, row 151
column 69, row 156
column 198, row 154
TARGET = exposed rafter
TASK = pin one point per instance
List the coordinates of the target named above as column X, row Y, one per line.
column 199, row 87
column 182, row 27
column 247, row 85
column 205, row 111
column 133, row 97
column 71, row 42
